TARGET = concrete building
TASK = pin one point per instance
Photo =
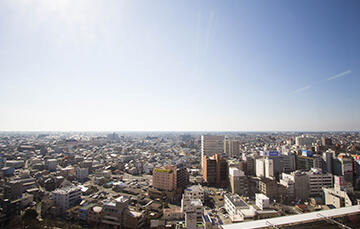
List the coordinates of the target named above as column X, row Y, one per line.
column 328, row 161
column 170, row 178
column 215, row 171
column 66, row 197
column 191, row 220
column 304, row 141
column 305, row 163
column 237, row 208
column 196, row 206
column 112, row 212
column 81, row 173
column 238, row 181
column 83, row 212
column 13, row 190
column 133, row 219
column 343, row 166
column 272, row 189
column 326, row 141
column 318, row 180
column 262, row 201
column 339, row 194
column 51, row 164
column 297, row 185
column 260, row 167
column 231, row 147
column 194, row 192
column 211, row 144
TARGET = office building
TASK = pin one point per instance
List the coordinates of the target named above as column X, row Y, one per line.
column 328, row 161
column 211, row 144
column 170, row 178
column 343, row 166
column 238, row 181
column 297, row 184
column 81, row 173
column 231, row 147
column 317, row 180
column 326, row 141
column 215, row 171
column 306, row 163
column 304, row 141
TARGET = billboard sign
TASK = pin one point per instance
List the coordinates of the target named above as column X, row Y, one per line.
column 273, row 153
column 307, row 153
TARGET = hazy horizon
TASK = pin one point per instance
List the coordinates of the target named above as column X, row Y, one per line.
column 185, row 66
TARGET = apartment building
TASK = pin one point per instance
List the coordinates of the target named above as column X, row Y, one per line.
column 170, row 178
column 66, row 197
column 215, row 171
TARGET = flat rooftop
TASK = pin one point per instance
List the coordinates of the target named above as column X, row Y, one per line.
column 236, row 200
column 296, row 219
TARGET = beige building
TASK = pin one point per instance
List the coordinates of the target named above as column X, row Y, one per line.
column 231, row 147
column 211, row 144
column 238, row 181
column 170, row 178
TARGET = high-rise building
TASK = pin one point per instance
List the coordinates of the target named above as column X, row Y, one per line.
column 215, row 170
column 51, row 163
column 328, row 161
column 343, row 166
column 305, row 163
column 297, row 184
column 326, row 141
column 170, row 178
column 318, row 180
column 304, row 141
column 231, row 147
column 211, row 144
column 238, row 181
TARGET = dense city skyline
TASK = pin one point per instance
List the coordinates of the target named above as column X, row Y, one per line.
column 179, row 66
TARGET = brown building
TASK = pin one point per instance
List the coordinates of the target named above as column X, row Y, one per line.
column 215, row 171
column 272, row 189
column 170, row 178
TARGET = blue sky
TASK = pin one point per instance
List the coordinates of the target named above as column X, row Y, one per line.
column 180, row 65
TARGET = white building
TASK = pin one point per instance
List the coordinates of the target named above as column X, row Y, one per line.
column 66, row 197
column 194, row 192
column 269, row 168
column 81, row 173
column 211, row 144
column 262, row 201
column 260, row 167
column 189, row 205
column 237, row 208
column 237, row 181
column 51, row 164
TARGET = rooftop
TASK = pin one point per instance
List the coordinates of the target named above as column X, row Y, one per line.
column 194, row 188
column 237, row 200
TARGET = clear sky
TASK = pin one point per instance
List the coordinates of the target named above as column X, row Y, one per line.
column 180, row 65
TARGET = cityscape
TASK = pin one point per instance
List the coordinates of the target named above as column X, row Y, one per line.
column 180, row 180
column 193, row 114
